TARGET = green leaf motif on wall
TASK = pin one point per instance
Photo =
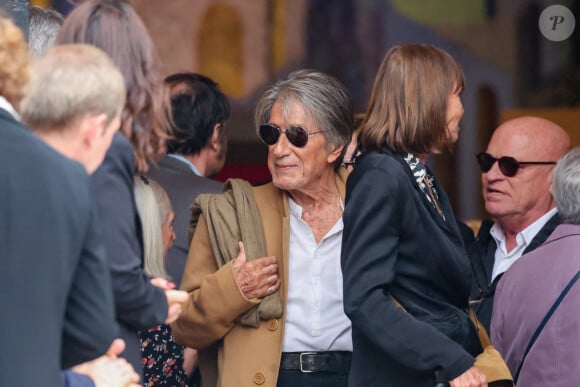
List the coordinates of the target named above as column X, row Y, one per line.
column 432, row 13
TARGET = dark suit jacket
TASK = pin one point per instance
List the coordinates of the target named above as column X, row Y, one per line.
column 182, row 186
column 395, row 242
column 138, row 304
column 482, row 254
column 57, row 303
column 73, row 379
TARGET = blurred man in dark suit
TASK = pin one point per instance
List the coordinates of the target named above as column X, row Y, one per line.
column 196, row 153
column 57, row 301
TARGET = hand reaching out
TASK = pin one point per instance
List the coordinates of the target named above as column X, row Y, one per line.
column 175, row 298
column 163, row 283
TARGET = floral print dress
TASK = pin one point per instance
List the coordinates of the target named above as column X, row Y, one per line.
column 162, row 358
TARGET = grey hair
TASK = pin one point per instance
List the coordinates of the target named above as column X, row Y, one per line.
column 325, row 100
column 153, row 206
column 566, row 187
column 69, row 82
column 43, row 26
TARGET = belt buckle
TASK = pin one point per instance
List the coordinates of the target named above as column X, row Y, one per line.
column 301, row 362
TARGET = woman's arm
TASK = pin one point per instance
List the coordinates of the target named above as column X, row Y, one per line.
column 138, row 303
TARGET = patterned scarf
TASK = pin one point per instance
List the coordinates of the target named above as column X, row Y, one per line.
column 425, row 181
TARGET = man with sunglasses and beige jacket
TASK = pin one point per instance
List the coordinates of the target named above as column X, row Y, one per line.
column 269, row 312
column 516, row 178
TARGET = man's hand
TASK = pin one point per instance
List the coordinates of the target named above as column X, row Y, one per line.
column 257, row 278
column 110, row 370
column 189, row 360
column 473, row 377
column 175, row 298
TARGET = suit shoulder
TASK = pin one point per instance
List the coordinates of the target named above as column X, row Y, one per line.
column 174, row 176
column 379, row 160
column 33, row 156
column 378, row 165
column 266, row 191
column 209, row 185
column 36, row 173
column 120, row 151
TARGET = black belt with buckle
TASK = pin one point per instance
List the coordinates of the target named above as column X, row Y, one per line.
column 337, row 362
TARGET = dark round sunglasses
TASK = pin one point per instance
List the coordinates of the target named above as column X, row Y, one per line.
column 297, row 135
column 507, row 165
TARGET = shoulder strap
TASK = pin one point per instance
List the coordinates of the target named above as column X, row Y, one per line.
column 545, row 321
column 544, row 233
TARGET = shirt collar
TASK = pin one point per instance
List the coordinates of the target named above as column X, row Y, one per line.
column 526, row 235
column 186, row 161
column 296, row 209
column 4, row 104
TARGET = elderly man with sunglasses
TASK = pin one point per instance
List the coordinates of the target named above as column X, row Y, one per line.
column 272, row 306
column 516, row 178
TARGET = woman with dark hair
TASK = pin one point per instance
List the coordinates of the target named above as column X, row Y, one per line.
column 406, row 272
column 114, row 27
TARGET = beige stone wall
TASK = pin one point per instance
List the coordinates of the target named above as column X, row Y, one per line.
column 567, row 118
column 175, row 31
column 175, row 28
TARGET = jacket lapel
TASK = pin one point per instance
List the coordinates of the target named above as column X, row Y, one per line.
column 487, row 253
column 449, row 223
column 443, row 201
column 273, row 204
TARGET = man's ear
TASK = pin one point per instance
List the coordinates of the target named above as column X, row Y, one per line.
column 335, row 154
column 215, row 140
column 92, row 128
column 550, row 178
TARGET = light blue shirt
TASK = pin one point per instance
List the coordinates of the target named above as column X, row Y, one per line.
column 186, row 161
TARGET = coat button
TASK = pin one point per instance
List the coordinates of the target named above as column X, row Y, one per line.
column 272, row 325
column 259, row 378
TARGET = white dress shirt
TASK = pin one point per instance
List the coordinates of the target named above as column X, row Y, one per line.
column 4, row 104
column 504, row 259
column 315, row 319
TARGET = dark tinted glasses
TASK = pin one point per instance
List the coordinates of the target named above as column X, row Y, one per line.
column 298, row 136
column 507, row 165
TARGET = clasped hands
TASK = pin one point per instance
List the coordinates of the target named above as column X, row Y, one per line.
column 175, row 298
column 110, row 370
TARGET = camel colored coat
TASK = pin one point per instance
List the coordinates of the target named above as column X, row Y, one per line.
column 245, row 356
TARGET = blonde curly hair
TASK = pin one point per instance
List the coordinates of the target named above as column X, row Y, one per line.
column 14, row 61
